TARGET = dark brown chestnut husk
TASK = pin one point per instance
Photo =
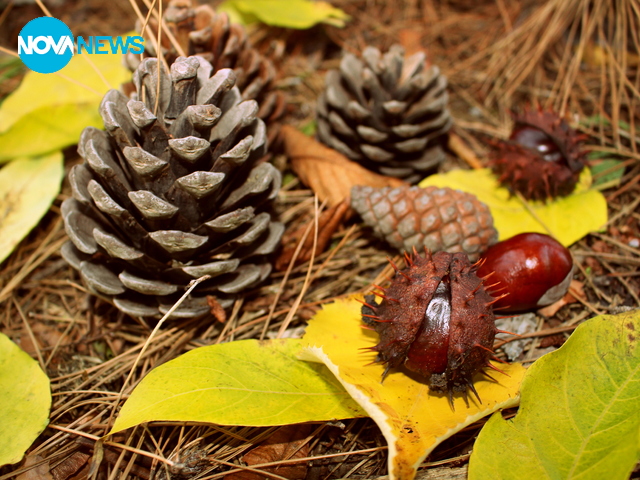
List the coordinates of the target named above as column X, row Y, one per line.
column 543, row 157
column 435, row 319
column 532, row 269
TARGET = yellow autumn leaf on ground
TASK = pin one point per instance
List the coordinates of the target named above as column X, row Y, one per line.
column 568, row 218
column 25, row 400
column 299, row 14
column 49, row 111
column 78, row 82
column 246, row 382
column 412, row 420
column 579, row 417
column 28, row 186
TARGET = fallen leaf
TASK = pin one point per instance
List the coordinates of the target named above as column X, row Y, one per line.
column 411, row 41
column 247, row 382
column 576, row 290
column 579, row 415
column 462, row 150
column 288, row 442
column 216, row 309
column 412, row 420
column 568, row 218
column 25, row 400
column 47, row 129
column 38, row 469
column 300, row 14
column 329, row 173
column 73, row 464
column 328, row 223
column 607, row 172
column 28, row 186
column 49, row 111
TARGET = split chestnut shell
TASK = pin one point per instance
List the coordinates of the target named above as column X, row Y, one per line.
column 435, row 319
column 543, row 157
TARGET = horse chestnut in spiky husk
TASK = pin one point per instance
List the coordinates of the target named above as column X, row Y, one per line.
column 435, row 319
column 543, row 157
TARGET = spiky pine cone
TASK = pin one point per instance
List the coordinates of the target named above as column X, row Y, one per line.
column 435, row 319
column 432, row 218
column 543, row 157
column 165, row 198
column 386, row 112
column 199, row 30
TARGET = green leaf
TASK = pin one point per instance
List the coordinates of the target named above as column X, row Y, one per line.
column 607, row 172
column 28, row 186
column 579, row 413
column 246, row 382
column 568, row 218
column 54, row 101
column 25, row 400
column 598, row 119
column 412, row 420
column 300, row 14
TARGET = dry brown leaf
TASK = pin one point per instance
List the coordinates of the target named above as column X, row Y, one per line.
column 328, row 223
column 460, row 148
column 216, row 309
column 411, row 40
column 72, row 466
column 576, row 289
column 329, row 173
column 37, row 470
column 286, row 443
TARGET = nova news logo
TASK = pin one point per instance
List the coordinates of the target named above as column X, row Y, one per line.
column 46, row 45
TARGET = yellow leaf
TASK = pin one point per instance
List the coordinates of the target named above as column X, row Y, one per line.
column 48, row 128
column 25, row 400
column 246, row 382
column 412, row 420
column 27, row 188
column 299, row 14
column 568, row 219
column 579, row 416
column 77, row 83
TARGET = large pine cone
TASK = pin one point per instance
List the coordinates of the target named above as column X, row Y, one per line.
column 385, row 112
column 166, row 198
column 199, row 30
column 432, row 218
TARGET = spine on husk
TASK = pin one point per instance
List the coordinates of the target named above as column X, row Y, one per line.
column 435, row 319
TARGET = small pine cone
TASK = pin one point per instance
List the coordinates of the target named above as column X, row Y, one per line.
column 432, row 218
column 386, row 112
column 543, row 157
column 162, row 199
column 199, row 30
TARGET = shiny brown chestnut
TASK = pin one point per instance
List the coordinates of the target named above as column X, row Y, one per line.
column 533, row 269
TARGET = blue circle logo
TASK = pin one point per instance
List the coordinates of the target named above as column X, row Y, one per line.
column 45, row 44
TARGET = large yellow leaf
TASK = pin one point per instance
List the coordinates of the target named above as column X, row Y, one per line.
column 28, row 186
column 25, row 400
column 48, row 128
column 48, row 111
column 568, row 218
column 580, row 411
column 78, row 82
column 238, row 383
column 299, row 14
column 412, row 420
